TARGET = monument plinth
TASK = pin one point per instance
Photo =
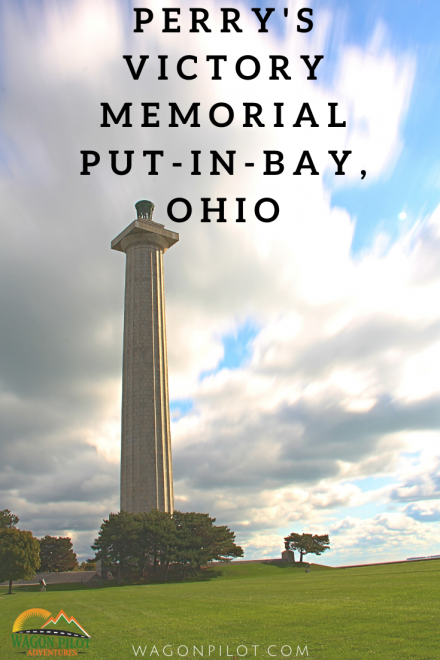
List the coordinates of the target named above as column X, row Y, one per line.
column 146, row 465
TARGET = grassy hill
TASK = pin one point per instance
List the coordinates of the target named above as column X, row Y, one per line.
column 388, row 612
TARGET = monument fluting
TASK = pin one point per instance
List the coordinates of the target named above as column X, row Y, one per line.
column 146, row 463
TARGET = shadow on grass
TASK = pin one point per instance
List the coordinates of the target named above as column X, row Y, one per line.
column 175, row 575
column 298, row 566
column 204, row 575
column 33, row 588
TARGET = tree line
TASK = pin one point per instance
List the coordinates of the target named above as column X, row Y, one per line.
column 143, row 541
column 22, row 555
column 125, row 541
column 134, row 541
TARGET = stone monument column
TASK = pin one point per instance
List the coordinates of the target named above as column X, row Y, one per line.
column 146, row 466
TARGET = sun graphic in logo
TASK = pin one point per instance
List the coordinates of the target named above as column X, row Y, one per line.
column 38, row 621
column 31, row 618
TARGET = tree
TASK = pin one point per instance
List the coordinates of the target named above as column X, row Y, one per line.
column 141, row 539
column 7, row 519
column 322, row 543
column 116, row 542
column 19, row 555
column 56, row 554
column 198, row 541
column 222, row 546
column 307, row 544
column 156, row 536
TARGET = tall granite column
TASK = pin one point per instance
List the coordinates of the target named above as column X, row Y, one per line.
column 146, row 466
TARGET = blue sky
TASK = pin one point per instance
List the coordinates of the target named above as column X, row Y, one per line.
column 413, row 185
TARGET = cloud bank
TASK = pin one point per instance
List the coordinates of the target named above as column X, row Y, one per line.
column 339, row 384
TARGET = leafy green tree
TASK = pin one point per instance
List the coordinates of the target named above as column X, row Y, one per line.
column 7, row 519
column 155, row 538
column 321, row 543
column 293, row 542
column 19, row 555
column 307, row 544
column 57, row 554
column 116, row 542
column 223, row 545
column 141, row 539
column 187, row 545
column 198, row 541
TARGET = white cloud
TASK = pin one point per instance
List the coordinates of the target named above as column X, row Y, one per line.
column 383, row 537
column 375, row 87
column 345, row 359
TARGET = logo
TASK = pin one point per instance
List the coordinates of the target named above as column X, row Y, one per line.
column 36, row 632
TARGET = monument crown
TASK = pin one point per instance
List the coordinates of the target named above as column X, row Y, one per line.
column 144, row 230
column 144, row 209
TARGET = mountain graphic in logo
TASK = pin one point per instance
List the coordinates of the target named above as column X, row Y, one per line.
column 40, row 622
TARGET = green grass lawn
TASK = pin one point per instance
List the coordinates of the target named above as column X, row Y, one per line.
column 390, row 612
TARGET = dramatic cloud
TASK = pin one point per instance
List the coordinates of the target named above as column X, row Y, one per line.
column 341, row 370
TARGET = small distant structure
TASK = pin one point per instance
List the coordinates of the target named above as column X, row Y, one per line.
column 287, row 556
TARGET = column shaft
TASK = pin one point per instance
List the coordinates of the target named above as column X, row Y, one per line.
column 146, row 466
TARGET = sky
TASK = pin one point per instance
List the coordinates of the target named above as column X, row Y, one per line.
column 304, row 353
